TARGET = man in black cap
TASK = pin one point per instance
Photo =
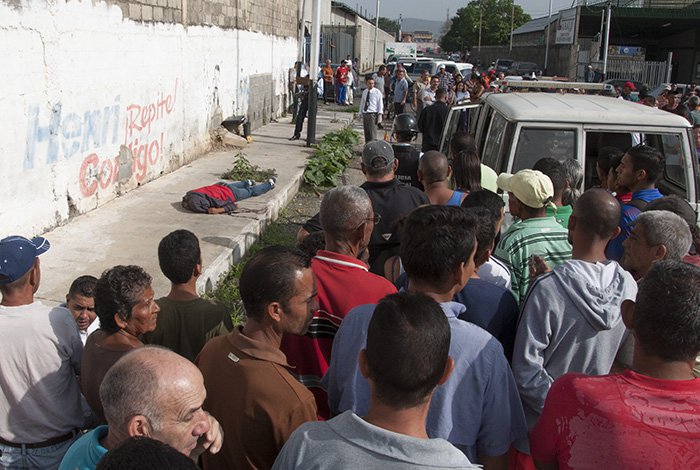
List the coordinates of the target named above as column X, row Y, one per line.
column 40, row 352
column 391, row 200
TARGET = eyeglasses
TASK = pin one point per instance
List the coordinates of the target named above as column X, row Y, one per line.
column 375, row 220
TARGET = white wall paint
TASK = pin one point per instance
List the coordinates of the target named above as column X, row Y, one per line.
column 92, row 104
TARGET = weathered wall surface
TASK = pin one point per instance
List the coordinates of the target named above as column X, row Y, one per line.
column 94, row 104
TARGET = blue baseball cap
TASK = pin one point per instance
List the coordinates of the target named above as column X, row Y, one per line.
column 17, row 256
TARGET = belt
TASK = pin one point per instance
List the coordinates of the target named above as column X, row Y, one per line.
column 46, row 443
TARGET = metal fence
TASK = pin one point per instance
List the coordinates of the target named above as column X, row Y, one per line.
column 651, row 73
column 337, row 43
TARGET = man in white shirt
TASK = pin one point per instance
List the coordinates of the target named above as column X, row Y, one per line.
column 371, row 107
column 350, row 84
column 40, row 352
column 80, row 300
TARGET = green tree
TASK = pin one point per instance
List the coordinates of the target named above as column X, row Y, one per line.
column 390, row 26
column 495, row 24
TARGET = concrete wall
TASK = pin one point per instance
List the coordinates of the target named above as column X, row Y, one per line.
column 94, row 104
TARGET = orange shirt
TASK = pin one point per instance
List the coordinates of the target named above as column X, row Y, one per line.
column 327, row 73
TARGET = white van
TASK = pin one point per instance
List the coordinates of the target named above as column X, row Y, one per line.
column 514, row 130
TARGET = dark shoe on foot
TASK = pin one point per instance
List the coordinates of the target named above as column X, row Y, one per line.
column 295, row 137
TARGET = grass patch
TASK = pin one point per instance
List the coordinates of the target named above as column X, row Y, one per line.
column 243, row 170
column 330, row 158
column 355, row 108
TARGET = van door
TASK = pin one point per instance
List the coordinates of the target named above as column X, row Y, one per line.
column 461, row 117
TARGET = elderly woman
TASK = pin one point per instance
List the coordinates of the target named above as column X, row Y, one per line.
column 125, row 305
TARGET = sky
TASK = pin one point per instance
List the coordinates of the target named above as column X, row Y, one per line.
column 437, row 9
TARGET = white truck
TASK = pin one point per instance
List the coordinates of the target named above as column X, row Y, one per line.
column 514, row 130
column 400, row 49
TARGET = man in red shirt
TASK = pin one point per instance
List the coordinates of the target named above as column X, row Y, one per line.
column 220, row 198
column 647, row 417
column 342, row 280
column 341, row 80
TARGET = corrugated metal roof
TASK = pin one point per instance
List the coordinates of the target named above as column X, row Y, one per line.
column 538, row 24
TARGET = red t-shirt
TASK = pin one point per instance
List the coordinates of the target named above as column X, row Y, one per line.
column 343, row 283
column 341, row 75
column 628, row 421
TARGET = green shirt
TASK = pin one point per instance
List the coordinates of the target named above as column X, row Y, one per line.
column 561, row 215
column 541, row 236
column 186, row 326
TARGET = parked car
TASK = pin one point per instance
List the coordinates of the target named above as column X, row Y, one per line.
column 514, row 130
column 524, row 69
column 502, row 65
column 415, row 68
column 619, row 82
column 464, row 69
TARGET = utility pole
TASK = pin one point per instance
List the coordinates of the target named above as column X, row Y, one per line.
column 606, row 44
column 512, row 23
column 549, row 25
column 481, row 18
column 376, row 29
column 313, row 72
column 400, row 38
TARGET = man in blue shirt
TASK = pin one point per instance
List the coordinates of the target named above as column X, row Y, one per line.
column 400, row 92
column 640, row 169
column 478, row 409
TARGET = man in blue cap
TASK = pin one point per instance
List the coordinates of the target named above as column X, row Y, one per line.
column 40, row 351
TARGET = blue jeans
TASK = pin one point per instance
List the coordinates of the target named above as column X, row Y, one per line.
column 49, row 458
column 243, row 190
column 342, row 93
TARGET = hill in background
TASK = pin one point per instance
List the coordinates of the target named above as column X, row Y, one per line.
column 417, row 24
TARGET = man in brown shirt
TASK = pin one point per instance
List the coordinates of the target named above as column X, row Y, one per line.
column 328, row 74
column 249, row 389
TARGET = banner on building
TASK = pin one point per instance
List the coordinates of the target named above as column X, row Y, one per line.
column 566, row 27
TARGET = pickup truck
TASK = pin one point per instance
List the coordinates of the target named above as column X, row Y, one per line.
column 514, row 130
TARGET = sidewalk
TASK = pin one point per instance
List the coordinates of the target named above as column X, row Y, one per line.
column 128, row 229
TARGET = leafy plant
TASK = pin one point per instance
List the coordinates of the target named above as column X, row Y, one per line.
column 332, row 155
column 243, row 170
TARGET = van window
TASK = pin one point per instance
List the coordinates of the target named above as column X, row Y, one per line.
column 673, row 180
column 536, row 142
column 596, row 140
column 482, row 129
column 492, row 146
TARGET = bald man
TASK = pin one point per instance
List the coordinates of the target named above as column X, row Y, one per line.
column 434, row 173
column 150, row 392
column 571, row 320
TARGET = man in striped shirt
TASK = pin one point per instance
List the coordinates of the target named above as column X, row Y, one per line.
column 529, row 193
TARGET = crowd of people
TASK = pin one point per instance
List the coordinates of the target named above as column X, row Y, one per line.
column 409, row 327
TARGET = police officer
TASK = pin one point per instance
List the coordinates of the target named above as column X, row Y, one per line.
column 405, row 131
